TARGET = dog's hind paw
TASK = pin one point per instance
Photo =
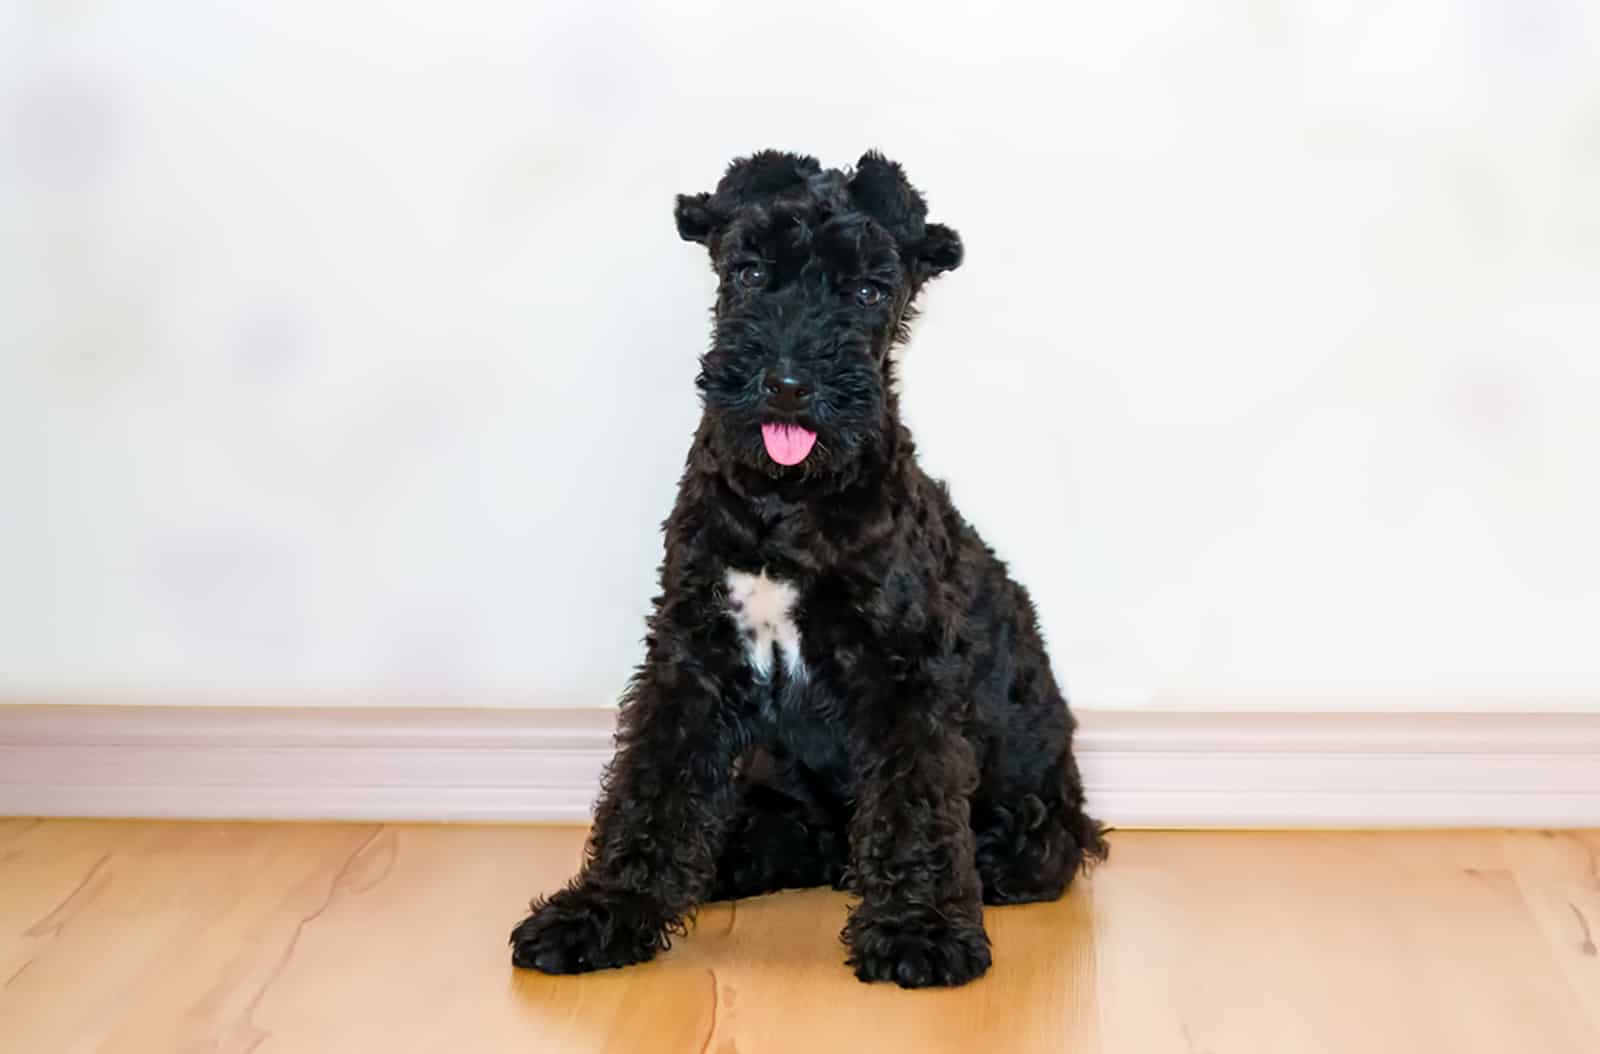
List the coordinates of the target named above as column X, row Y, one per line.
column 583, row 929
column 915, row 949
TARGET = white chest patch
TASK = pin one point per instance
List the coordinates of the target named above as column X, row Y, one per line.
column 763, row 609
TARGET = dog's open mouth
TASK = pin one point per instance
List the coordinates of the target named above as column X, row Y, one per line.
column 787, row 444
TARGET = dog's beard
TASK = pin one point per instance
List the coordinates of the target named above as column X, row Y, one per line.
column 845, row 416
column 753, row 443
column 774, row 449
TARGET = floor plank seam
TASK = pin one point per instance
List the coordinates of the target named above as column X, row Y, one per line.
column 716, row 998
column 43, row 927
column 247, row 1021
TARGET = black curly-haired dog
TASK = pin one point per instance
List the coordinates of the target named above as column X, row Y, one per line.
column 841, row 685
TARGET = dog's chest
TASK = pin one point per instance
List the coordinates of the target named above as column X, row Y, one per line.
column 763, row 609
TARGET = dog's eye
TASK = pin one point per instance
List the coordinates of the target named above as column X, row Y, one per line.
column 867, row 294
column 750, row 276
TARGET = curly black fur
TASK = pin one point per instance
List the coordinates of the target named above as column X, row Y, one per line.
column 916, row 750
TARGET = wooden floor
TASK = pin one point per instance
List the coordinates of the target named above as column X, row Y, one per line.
column 252, row 937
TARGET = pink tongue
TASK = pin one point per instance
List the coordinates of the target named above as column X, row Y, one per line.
column 787, row 444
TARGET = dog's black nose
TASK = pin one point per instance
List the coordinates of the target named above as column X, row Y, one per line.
column 785, row 393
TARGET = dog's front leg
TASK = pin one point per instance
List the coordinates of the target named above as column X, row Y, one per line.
column 920, row 920
column 666, row 802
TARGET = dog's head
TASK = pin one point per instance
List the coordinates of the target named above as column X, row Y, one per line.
column 817, row 272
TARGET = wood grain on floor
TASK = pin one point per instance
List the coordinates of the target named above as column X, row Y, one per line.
column 177, row 937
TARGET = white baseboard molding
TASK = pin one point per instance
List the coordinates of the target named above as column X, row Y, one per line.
column 1216, row 769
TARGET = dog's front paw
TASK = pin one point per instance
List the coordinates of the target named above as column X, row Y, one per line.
column 583, row 929
column 915, row 948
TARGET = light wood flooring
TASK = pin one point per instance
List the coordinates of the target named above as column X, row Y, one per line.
column 180, row 937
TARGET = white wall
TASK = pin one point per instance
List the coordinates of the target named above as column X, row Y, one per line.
column 348, row 355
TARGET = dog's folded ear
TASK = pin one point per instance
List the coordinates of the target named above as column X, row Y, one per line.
column 880, row 188
column 696, row 219
column 938, row 251
column 763, row 175
column 877, row 186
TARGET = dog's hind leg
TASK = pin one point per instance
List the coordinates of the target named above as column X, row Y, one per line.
column 1030, row 847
